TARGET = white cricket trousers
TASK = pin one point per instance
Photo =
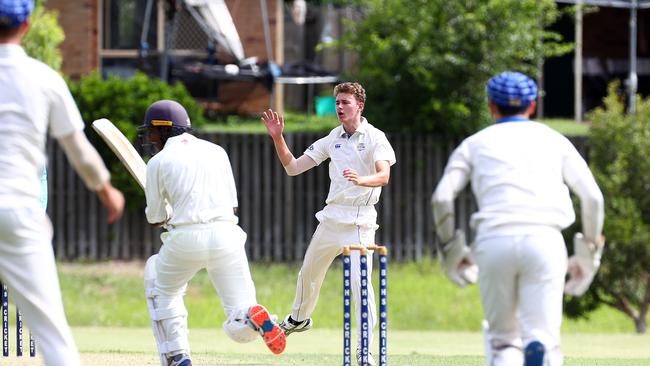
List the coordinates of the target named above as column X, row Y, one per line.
column 219, row 248
column 28, row 269
column 326, row 244
column 521, row 279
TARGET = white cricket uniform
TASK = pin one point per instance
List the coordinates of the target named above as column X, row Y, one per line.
column 520, row 171
column 33, row 100
column 349, row 216
column 195, row 177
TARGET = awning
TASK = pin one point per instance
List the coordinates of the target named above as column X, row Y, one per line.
column 215, row 20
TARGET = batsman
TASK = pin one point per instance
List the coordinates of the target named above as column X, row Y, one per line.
column 521, row 173
column 190, row 190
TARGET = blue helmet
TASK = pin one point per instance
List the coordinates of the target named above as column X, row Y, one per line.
column 14, row 12
column 511, row 89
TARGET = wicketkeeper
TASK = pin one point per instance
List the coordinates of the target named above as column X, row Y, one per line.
column 521, row 172
column 190, row 190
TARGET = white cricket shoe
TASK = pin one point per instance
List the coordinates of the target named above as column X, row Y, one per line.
column 289, row 325
column 371, row 360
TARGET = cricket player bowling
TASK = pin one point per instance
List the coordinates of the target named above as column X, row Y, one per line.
column 521, row 173
column 360, row 158
column 190, row 190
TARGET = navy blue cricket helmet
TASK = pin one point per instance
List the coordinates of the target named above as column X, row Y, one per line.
column 511, row 89
column 168, row 118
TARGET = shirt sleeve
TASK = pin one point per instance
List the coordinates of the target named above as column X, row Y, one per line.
column 64, row 116
column 154, row 193
column 319, row 150
column 384, row 151
column 581, row 181
column 232, row 187
column 456, row 176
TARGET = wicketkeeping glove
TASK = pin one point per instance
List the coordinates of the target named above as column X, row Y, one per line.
column 583, row 264
column 456, row 260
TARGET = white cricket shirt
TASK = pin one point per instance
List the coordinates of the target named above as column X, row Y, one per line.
column 346, row 202
column 195, row 177
column 33, row 98
column 519, row 172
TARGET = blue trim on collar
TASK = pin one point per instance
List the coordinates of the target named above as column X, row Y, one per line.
column 513, row 119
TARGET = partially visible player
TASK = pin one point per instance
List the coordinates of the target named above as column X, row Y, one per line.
column 35, row 101
column 521, row 172
column 190, row 190
column 360, row 160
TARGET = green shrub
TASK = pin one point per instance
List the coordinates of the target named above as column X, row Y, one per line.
column 124, row 102
column 620, row 146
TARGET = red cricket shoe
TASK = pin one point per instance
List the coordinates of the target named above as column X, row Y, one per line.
column 271, row 332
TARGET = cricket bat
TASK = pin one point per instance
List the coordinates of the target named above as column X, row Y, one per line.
column 123, row 149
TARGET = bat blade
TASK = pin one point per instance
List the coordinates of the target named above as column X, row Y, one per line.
column 124, row 150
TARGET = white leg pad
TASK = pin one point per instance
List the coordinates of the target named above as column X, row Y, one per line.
column 487, row 342
column 554, row 357
column 508, row 356
column 238, row 328
column 168, row 316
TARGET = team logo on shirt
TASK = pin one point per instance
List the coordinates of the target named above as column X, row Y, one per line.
column 311, row 147
column 361, row 146
column 337, row 146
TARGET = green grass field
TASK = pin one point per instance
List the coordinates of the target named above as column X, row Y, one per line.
column 297, row 122
column 293, row 122
column 323, row 347
column 420, row 298
column 568, row 127
column 431, row 322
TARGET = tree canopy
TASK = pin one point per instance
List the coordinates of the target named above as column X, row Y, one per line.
column 424, row 63
column 44, row 37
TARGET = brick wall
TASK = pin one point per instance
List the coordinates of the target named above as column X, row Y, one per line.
column 247, row 16
column 79, row 21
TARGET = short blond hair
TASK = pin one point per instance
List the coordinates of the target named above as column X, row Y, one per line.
column 351, row 88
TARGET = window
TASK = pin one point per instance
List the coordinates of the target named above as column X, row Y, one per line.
column 122, row 22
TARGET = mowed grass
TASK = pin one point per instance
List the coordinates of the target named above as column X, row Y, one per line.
column 431, row 322
column 568, row 127
column 420, row 298
column 297, row 122
column 321, row 347
column 293, row 122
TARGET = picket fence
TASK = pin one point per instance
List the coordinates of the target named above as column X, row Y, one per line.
column 276, row 211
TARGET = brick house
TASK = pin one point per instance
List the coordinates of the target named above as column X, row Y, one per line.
column 104, row 35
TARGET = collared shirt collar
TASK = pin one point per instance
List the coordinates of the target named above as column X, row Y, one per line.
column 363, row 126
column 512, row 119
column 177, row 139
column 11, row 49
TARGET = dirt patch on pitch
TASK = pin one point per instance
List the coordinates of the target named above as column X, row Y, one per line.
column 126, row 268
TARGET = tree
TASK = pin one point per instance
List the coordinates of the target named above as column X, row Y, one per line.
column 425, row 63
column 44, row 37
column 124, row 102
column 620, row 146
